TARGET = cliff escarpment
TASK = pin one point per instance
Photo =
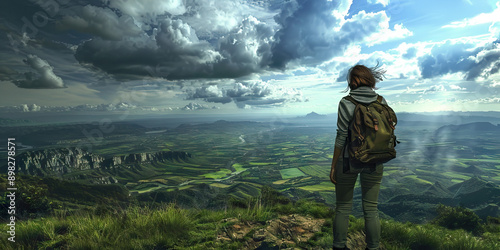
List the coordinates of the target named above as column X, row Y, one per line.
column 57, row 162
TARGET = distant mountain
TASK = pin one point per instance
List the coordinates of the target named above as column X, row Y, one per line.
column 477, row 194
column 314, row 115
column 450, row 117
column 467, row 128
column 314, row 119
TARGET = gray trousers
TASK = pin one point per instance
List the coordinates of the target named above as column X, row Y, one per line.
column 370, row 186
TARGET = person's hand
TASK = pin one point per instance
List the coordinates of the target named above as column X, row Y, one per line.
column 336, row 154
column 333, row 174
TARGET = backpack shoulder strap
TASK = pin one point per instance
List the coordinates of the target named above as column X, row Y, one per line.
column 350, row 98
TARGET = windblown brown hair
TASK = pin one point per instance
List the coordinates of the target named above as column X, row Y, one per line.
column 360, row 75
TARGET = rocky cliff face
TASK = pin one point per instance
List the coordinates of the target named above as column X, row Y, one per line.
column 61, row 161
column 147, row 157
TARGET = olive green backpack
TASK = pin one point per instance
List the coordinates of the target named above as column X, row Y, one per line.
column 371, row 138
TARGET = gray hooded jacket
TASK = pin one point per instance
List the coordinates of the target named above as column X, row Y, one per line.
column 363, row 94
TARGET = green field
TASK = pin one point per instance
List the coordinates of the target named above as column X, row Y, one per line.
column 322, row 171
column 218, row 175
column 238, row 167
column 323, row 186
column 291, row 173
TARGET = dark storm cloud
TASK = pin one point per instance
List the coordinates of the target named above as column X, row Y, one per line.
column 176, row 52
column 487, row 62
column 310, row 34
column 173, row 53
column 462, row 57
column 44, row 78
column 197, row 39
column 102, row 22
column 306, row 31
column 173, row 50
column 247, row 49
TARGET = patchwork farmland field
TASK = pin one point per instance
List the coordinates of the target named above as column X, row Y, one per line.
column 236, row 159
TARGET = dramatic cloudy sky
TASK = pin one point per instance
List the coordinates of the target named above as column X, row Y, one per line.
column 235, row 56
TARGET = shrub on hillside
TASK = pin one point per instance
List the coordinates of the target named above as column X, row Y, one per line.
column 271, row 197
column 492, row 224
column 30, row 200
column 458, row 218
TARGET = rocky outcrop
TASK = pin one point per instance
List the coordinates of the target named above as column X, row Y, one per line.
column 64, row 160
column 60, row 161
column 285, row 232
column 149, row 157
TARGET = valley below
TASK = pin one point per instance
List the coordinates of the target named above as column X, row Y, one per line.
column 207, row 165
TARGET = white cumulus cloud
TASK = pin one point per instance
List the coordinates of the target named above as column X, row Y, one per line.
column 245, row 94
column 197, row 106
column 383, row 2
column 482, row 18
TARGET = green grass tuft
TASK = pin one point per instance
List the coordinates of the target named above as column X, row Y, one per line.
column 168, row 227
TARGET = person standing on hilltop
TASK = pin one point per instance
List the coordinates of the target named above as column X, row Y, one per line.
column 361, row 82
